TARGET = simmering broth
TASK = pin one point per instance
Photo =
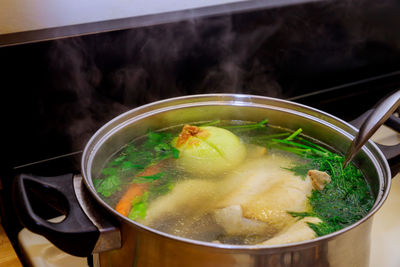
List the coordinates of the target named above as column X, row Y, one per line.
column 234, row 182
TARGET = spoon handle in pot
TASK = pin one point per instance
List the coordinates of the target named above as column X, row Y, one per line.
column 381, row 113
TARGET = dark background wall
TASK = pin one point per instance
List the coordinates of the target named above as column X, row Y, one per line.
column 56, row 94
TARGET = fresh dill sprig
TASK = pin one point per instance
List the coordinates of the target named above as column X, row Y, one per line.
column 246, row 127
column 293, row 135
column 262, row 123
column 238, row 128
column 343, row 201
column 301, row 215
column 323, row 228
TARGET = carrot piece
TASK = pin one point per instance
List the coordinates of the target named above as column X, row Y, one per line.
column 124, row 205
column 151, row 170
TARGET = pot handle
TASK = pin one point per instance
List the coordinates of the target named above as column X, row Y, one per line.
column 76, row 234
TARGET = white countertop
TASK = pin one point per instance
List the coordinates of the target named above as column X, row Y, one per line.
column 386, row 225
column 386, row 230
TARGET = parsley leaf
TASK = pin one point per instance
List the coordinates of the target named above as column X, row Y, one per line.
column 109, row 185
column 146, row 179
column 133, row 159
column 139, row 207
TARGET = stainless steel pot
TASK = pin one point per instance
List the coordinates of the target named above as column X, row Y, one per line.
column 132, row 244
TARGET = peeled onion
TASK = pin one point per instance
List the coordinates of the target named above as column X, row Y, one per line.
column 208, row 149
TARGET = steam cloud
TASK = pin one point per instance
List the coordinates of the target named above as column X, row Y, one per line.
column 100, row 76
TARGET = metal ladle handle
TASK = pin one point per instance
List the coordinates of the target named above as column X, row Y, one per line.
column 381, row 113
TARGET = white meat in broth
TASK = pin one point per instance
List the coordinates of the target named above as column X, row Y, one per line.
column 243, row 184
column 247, row 202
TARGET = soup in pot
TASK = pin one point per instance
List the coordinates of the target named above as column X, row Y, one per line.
column 234, row 182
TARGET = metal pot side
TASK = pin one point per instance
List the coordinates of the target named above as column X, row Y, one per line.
column 142, row 246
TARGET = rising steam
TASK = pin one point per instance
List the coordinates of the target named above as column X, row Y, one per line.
column 101, row 76
column 298, row 48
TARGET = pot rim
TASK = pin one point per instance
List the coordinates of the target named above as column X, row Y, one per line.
column 144, row 111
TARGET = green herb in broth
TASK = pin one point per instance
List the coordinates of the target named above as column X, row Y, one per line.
column 343, row 201
column 247, row 127
column 134, row 159
column 159, row 184
column 238, row 127
column 164, row 184
column 147, row 179
column 108, row 185
column 139, row 207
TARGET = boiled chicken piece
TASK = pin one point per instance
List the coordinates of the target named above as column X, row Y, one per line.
column 297, row 232
column 319, row 179
column 233, row 222
column 253, row 199
column 195, row 196
column 187, row 198
column 266, row 191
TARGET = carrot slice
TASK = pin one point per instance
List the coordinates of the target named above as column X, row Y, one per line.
column 124, row 205
column 151, row 170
